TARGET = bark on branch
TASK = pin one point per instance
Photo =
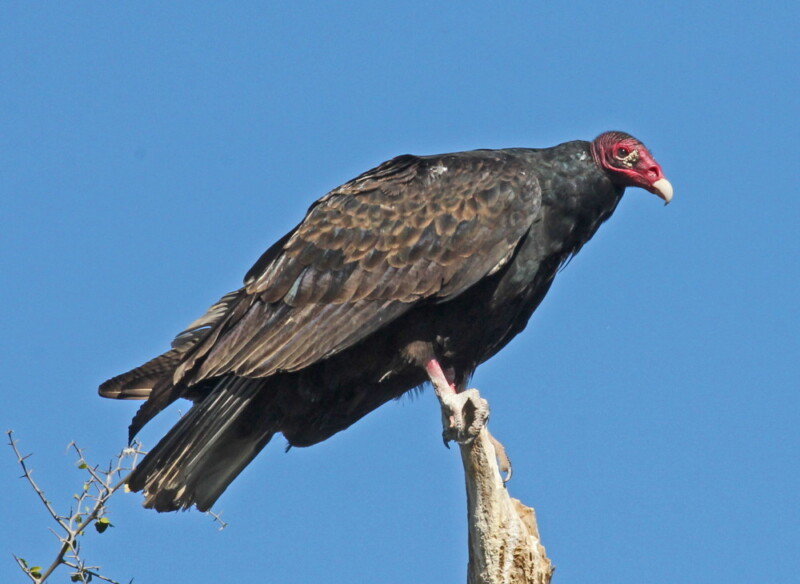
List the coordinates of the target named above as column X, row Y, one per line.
column 504, row 543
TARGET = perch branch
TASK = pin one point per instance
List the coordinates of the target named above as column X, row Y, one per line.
column 504, row 542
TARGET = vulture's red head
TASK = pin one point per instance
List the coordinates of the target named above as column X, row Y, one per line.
column 629, row 163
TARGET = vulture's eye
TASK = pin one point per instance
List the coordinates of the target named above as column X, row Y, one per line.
column 622, row 153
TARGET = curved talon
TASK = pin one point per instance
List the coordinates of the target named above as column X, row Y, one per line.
column 503, row 461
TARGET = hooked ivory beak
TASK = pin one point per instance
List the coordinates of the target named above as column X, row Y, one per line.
column 663, row 189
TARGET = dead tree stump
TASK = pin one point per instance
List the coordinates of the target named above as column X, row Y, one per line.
column 504, row 542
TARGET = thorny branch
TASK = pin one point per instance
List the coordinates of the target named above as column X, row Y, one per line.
column 89, row 509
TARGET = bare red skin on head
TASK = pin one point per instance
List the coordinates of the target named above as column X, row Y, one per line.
column 609, row 150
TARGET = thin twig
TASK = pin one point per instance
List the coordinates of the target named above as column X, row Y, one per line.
column 27, row 474
column 218, row 519
column 24, row 566
column 78, row 521
column 92, row 571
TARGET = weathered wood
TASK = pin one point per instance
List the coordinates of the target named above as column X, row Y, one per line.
column 504, row 542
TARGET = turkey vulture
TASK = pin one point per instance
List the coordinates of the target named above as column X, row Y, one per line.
column 417, row 270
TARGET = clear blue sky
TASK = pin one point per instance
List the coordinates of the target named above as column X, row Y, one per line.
column 150, row 152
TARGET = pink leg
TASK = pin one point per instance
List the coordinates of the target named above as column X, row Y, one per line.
column 459, row 424
column 464, row 413
column 442, row 383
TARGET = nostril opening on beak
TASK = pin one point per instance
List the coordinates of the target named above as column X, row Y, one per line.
column 655, row 172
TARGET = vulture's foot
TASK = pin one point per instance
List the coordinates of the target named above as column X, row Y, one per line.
column 464, row 415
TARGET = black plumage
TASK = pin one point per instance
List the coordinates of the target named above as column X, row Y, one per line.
column 424, row 257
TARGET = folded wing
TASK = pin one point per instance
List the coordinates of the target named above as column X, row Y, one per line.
column 415, row 229
column 411, row 230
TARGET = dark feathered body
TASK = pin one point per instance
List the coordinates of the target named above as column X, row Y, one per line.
column 441, row 257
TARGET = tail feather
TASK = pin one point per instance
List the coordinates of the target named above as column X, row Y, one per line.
column 197, row 460
column 139, row 382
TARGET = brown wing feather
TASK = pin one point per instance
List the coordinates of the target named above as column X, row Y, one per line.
column 411, row 229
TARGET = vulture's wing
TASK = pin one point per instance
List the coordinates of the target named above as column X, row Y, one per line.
column 411, row 229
